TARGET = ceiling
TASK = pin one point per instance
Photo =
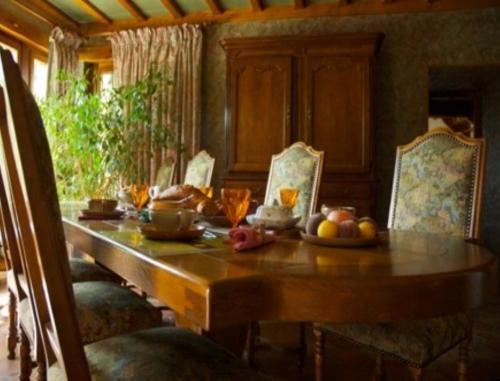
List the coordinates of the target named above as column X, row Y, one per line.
column 32, row 20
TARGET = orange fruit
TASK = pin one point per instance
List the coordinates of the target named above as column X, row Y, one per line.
column 328, row 229
column 367, row 229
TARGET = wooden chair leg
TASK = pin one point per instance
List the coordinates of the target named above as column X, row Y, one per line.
column 379, row 374
column 13, row 336
column 25, row 358
column 463, row 359
column 416, row 373
column 319, row 354
column 253, row 332
column 302, row 352
column 42, row 371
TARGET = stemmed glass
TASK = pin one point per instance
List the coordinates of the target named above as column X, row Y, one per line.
column 207, row 191
column 235, row 203
column 289, row 197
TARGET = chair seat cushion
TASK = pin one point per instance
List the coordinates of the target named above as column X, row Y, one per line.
column 85, row 271
column 416, row 342
column 104, row 309
column 172, row 354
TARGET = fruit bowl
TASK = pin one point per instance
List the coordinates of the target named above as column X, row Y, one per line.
column 339, row 242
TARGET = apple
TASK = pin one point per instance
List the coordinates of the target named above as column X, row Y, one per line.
column 340, row 215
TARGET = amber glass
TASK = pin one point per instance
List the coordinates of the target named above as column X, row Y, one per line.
column 139, row 194
column 207, row 191
column 235, row 203
column 289, row 197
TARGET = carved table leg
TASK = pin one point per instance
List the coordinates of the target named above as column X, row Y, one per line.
column 463, row 359
column 25, row 357
column 319, row 354
column 12, row 337
column 252, row 337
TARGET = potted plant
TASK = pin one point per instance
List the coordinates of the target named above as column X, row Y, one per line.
column 95, row 137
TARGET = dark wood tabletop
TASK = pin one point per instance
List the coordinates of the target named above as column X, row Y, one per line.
column 412, row 276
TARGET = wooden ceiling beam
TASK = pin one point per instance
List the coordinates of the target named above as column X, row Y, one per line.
column 173, row 8
column 24, row 32
column 96, row 54
column 285, row 12
column 95, row 12
column 298, row 4
column 256, row 5
column 134, row 10
column 214, row 7
column 47, row 12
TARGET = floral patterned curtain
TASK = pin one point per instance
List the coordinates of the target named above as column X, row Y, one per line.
column 63, row 47
column 176, row 52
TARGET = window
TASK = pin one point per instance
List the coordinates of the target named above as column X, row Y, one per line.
column 14, row 51
column 39, row 79
column 106, row 80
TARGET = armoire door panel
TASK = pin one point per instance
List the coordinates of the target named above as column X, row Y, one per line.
column 261, row 111
column 338, row 115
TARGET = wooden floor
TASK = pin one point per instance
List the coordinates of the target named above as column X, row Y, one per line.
column 345, row 361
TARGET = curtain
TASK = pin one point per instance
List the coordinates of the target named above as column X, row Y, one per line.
column 176, row 52
column 63, row 47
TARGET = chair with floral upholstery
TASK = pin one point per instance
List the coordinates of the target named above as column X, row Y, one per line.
column 437, row 188
column 300, row 167
column 165, row 175
column 199, row 170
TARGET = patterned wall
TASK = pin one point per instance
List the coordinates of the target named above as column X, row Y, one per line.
column 412, row 43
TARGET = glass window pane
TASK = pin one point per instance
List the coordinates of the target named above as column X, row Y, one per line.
column 106, row 81
column 11, row 49
column 39, row 79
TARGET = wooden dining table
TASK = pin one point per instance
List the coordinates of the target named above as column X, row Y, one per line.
column 211, row 287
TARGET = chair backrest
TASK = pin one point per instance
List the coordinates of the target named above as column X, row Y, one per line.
column 165, row 175
column 199, row 170
column 29, row 181
column 298, row 166
column 438, row 181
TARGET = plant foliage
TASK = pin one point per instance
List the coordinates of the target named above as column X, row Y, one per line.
column 96, row 137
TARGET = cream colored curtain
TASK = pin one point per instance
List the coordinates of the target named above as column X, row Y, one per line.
column 63, row 47
column 176, row 52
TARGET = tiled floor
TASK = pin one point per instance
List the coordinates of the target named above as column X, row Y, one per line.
column 346, row 362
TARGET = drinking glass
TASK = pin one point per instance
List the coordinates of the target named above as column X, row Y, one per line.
column 289, row 197
column 207, row 191
column 139, row 194
column 235, row 203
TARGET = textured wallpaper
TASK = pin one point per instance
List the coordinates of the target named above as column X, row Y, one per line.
column 412, row 43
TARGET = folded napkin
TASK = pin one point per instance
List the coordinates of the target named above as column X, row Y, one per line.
column 245, row 238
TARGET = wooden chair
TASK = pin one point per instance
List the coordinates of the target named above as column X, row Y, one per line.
column 165, row 175
column 298, row 166
column 199, row 170
column 437, row 188
column 29, row 186
column 104, row 308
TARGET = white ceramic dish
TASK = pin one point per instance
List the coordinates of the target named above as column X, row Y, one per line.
column 268, row 223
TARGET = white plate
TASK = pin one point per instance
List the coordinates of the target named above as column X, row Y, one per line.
column 273, row 224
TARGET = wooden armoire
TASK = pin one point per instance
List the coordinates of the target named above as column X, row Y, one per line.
column 316, row 89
